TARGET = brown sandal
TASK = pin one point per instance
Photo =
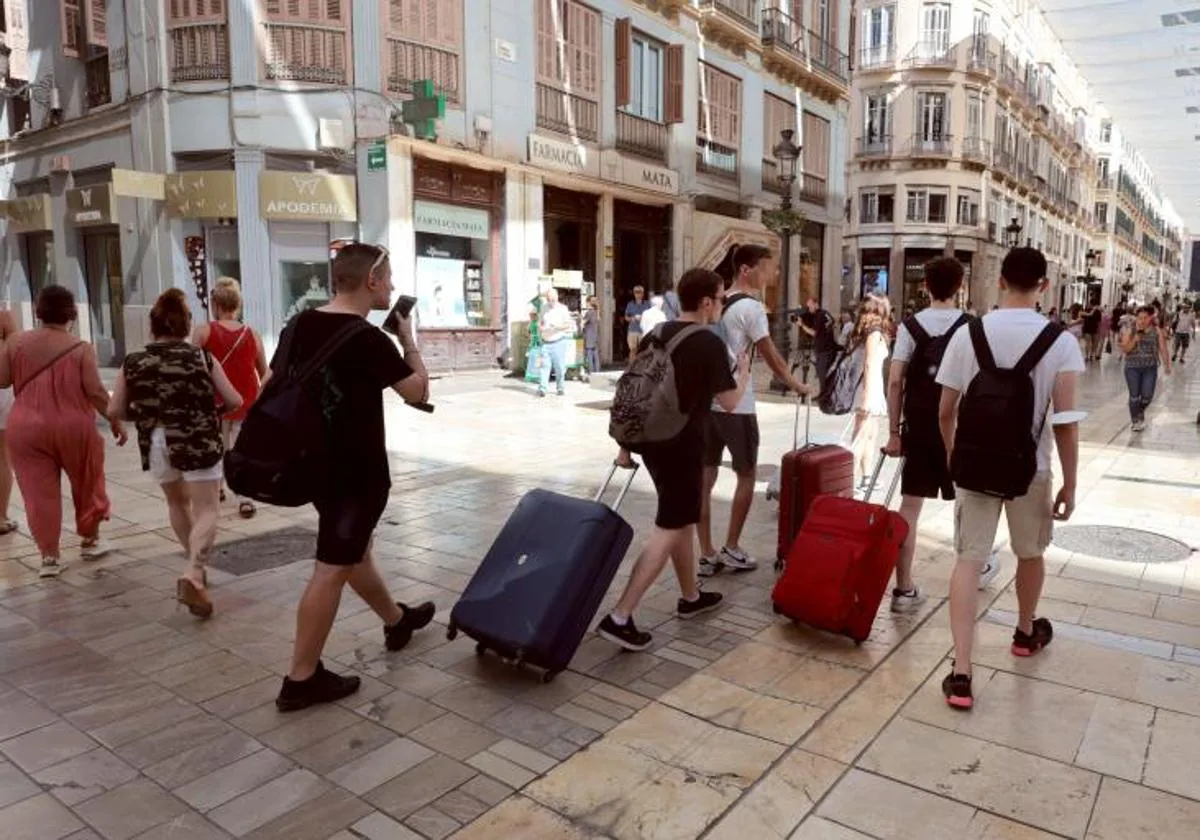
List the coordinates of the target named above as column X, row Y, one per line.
column 193, row 597
column 246, row 510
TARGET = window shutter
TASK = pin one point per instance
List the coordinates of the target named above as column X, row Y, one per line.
column 547, row 42
column 833, row 24
column 624, row 33
column 96, row 23
column 673, row 85
column 816, row 146
column 71, row 16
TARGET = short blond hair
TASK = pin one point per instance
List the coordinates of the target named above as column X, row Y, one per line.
column 227, row 295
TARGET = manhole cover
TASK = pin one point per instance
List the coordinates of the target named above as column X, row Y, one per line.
column 1128, row 545
column 266, row 551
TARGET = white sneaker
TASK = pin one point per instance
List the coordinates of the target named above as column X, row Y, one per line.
column 96, row 550
column 907, row 602
column 710, row 566
column 990, row 570
column 50, row 567
column 737, row 560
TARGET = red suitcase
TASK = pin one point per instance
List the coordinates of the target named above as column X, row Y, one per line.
column 840, row 565
column 807, row 472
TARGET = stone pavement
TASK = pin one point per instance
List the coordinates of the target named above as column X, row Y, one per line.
column 122, row 717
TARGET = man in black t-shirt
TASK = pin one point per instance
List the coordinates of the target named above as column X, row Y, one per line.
column 818, row 325
column 676, row 466
column 358, row 484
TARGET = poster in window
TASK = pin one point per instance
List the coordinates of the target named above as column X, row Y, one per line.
column 440, row 301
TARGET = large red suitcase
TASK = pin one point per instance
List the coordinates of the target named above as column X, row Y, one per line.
column 807, row 472
column 838, row 569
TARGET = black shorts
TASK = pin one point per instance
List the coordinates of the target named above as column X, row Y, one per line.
column 926, row 474
column 736, row 432
column 345, row 524
column 678, row 477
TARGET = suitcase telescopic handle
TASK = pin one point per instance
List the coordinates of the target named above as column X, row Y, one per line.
column 632, row 470
column 807, row 403
column 875, row 479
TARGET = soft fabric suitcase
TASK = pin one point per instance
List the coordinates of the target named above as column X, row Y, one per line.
column 839, row 567
column 805, row 473
column 539, row 586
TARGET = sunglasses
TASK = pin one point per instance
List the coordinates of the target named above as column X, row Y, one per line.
column 380, row 259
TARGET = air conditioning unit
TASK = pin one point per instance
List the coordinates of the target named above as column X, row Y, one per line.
column 60, row 164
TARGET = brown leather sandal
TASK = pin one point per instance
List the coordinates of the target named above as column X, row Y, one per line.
column 193, row 597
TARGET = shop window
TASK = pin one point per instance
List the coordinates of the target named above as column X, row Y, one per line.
column 876, row 207
column 452, row 290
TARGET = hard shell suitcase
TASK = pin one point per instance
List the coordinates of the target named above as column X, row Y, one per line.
column 839, row 567
column 534, row 595
column 805, row 473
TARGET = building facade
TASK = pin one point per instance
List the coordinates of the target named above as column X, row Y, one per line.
column 1139, row 240
column 970, row 130
column 590, row 146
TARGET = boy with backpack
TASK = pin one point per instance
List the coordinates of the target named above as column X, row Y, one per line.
column 355, row 362
column 913, row 398
column 1002, row 379
column 659, row 411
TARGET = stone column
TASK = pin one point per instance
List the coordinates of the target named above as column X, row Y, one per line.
column 524, row 242
column 604, row 275
column 396, row 230
column 254, row 249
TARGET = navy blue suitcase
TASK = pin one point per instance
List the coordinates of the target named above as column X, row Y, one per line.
column 539, row 586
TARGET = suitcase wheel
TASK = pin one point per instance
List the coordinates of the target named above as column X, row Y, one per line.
column 549, row 676
column 452, row 632
column 480, row 649
column 779, row 563
column 776, row 610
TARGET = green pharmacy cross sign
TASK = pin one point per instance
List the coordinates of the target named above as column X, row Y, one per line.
column 424, row 110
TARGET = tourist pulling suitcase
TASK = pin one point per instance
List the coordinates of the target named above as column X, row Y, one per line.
column 805, row 473
column 540, row 584
column 839, row 567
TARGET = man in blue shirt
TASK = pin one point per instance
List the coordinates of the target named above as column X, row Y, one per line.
column 633, row 317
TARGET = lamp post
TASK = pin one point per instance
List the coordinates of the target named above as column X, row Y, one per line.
column 1128, row 287
column 786, row 152
column 1012, row 233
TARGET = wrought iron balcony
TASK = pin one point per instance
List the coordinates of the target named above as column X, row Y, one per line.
column 199, row 52
column 409, row 62
column 876, row 146
column 814, row 189
column 305, row 53
column 567, row 113
column 642, row 137
column 714, row 159
column 931, row 54
column 931, row 146
column 977, row 149
column 877, row 58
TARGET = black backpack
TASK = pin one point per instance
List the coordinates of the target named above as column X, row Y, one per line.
column 995, row 447
column 281, row 456
column 922, row 393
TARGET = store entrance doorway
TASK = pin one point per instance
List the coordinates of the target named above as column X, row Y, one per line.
column 641, row 257
column 106, row 295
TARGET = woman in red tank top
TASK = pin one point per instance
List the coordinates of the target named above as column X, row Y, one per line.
column 239, row 349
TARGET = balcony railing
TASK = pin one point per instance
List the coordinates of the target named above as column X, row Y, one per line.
column 745, row 12
column 408, row 62
column 305, row 53
column 199, row 52
column 1104, row 183
column 567, row 113
column 1009, row 79
column 981, row 61
column 940, row 145
column 828, row 57
column 781, row 30
column 877, row 146
column 99, row 86
column 714, row 159
column 770, row 177
column 814, row 189
column 642, row 137
column 931, row 54
column 871, row 58
column 977, row 149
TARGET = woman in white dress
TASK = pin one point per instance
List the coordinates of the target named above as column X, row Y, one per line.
column 870, row 339
column 8, row 329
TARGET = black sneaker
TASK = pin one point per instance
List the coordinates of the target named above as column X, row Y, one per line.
column 957, row 688
column 322, row 687
column 1028, row 644
column 414, row 618
column 707, row 602
column 626, row 635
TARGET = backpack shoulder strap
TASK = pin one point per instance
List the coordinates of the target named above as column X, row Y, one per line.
column 1041, row 345
column 983, row 352
column 331, row 346
column 963, row 320
column 919, row 334
column 678, row 338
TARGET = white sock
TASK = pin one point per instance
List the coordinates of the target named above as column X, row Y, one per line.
column 618, row 619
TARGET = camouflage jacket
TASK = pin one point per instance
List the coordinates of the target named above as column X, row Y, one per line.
column 170, row 386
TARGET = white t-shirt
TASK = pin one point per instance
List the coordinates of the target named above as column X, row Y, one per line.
column 1009, row 333
column 1186, row 323
column 651, row 318
column 557, row 323
column 935, row 321
column 745, row 324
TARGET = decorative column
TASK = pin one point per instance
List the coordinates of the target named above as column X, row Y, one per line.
column 397, row 228
column 604, row 276
column 524, row 242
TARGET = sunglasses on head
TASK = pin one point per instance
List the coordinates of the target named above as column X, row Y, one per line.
column 380, row 258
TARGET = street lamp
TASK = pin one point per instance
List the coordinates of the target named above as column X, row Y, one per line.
column 1012, row 233
column 786, row 152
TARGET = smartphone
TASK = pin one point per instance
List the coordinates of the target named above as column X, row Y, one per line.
column 402, row 309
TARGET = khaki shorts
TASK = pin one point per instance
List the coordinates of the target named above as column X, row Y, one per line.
column 1030, row 521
